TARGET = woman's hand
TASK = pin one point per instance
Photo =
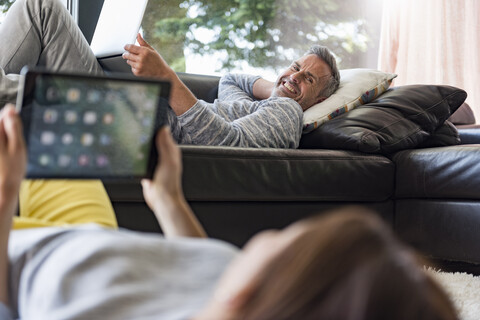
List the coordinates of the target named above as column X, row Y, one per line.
column 166, row 183
column 13, row 158
column 164, row 194
column 146, row 61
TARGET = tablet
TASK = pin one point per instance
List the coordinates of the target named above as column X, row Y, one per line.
column 88, row 127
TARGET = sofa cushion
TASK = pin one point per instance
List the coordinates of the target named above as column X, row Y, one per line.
column 357, row 87
column 440, row 228
column 247, row 174
column 446, row 172
column 401, row 118
column 446, row 135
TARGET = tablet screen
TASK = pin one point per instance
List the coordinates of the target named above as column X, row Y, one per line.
column 87, row 127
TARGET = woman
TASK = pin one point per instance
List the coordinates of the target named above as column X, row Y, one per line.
column 343, row 265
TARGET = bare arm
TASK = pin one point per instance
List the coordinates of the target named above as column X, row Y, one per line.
column 262, row 89
column 147, row 62
column 12, row 169
column 164, row 193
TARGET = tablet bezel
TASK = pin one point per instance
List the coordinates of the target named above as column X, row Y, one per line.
column 25, row 109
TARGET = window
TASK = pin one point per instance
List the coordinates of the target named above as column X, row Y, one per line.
column 253, row 36
column 261, row 36
column 4, row 6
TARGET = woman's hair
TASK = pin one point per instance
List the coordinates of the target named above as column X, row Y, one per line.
column 347, row 265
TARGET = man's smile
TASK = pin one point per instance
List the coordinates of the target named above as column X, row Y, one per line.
column 289, row 87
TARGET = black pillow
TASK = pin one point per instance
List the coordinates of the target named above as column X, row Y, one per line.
column 403, row 117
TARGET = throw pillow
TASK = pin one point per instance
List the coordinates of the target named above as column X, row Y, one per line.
column 357, row 87
column 446, row 135
column 463, row 116
column 403, row 117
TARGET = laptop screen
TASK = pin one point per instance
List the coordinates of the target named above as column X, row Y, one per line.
column 117, row 26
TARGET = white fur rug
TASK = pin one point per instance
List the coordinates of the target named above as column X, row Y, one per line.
column 464, row 290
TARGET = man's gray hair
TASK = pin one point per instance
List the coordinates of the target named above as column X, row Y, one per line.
column 326, row 55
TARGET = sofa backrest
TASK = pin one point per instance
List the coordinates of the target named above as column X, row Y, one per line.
column 202, row 86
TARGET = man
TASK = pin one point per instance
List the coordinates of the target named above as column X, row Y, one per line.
column 250, row 111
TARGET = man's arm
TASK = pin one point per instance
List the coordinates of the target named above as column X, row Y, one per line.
column 12, row 169
column 147, row 62
column 236, row 87
column 164, row 193
column 262, row 89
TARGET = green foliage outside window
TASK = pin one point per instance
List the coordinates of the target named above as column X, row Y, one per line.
column 5, row 5
column 261, row 32
column 264, row 33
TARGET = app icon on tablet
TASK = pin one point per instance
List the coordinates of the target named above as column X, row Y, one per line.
column 83, row 160
column 71, row 116
column 90, row 117
column 105, row 139
column 102, row 161
column 108, row 118
column 64, row 160
column 47, row 138
column 94, row 96
column 44, row 160
column 67, row 138
column 50, row 116
column 87, row 139
column 73, row 95
column 52, row 94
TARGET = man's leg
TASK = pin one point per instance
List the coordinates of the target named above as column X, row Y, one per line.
column 8, row 88
column 63, row 202
column 42, row 32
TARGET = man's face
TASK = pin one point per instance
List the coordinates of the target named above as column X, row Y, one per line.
column 303, row 81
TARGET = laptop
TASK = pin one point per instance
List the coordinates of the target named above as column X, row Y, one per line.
column 118, row 25
column 79, row 126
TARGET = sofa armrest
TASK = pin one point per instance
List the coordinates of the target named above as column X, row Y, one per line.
column 469, row 134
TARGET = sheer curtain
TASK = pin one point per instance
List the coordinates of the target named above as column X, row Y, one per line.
column 433, row 42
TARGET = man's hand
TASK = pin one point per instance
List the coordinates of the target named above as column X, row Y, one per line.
column 164, row 194
column 146, row 61
column 13, row 158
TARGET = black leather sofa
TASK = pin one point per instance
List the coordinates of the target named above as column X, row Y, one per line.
column 430, row 196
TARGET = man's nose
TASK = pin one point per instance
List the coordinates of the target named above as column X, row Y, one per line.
column 296, row 77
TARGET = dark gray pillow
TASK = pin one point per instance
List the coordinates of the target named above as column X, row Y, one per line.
column 403, row 117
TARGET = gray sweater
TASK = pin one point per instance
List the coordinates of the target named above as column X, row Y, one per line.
column 93, row 273
column 237, row 119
